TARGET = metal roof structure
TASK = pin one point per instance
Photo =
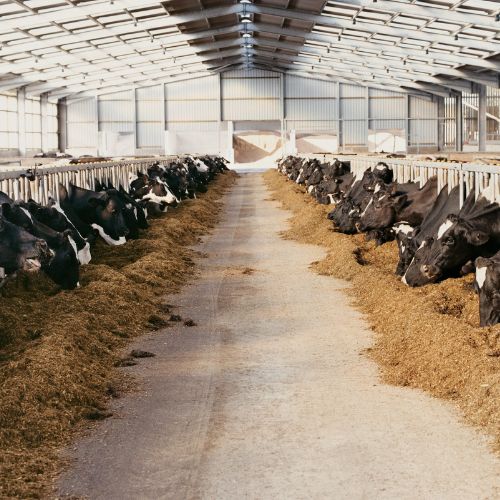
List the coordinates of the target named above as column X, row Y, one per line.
column 89, row 47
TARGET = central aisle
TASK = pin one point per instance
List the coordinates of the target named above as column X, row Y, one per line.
column 270, row 397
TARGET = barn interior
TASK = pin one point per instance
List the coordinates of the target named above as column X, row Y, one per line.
column 249, row 249
column 249, row 79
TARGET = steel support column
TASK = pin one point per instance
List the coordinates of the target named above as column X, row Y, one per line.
column 21, row 121
column 62, row 124
column 459, row 125
column 441, row 122
column 481, row 117
column 44, row 105
column 340, row 131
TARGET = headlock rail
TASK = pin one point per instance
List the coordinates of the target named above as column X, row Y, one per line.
column 40, row 183
column 469, row 176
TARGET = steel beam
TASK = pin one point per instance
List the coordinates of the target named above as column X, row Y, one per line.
column 427, row 11
column 373, row 28
column 481, row 118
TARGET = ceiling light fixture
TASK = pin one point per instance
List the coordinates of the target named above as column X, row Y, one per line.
column 245, row 18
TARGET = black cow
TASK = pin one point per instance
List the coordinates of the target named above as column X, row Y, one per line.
column 410, row 240
column 487, row 285
column 347, row 212
column 133, row 213
column 101, row 211
column 20, row 250
column 63, row 266
column 55, row 218
column 397, row 203
column 474, row 232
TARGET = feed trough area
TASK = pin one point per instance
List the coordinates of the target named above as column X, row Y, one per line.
column 250, row 249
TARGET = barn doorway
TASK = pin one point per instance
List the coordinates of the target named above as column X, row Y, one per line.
column 257, row 144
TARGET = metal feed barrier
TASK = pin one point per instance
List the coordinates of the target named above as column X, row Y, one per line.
column 469, row 176
column 41, row 182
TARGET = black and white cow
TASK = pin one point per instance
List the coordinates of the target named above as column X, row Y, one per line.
column 20, row 250
column 410, row 238
column 347, row 212
column 103, row 212
column 63, row 266
column 55, row 218
column 474, row 232
column 152, row 191
column 487, row 284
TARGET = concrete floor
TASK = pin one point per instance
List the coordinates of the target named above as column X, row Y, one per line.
column 270, row 397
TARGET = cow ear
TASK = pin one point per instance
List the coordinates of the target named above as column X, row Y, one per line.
column 63, row 192
column 477, row 238
column 400, row 201
column 482, row 262
column 96, row 202
column 6, row 209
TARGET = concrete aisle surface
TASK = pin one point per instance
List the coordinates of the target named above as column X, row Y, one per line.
column 269, row 397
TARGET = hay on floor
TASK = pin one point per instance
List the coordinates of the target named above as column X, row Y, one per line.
column 58, row 349
column 428, row 338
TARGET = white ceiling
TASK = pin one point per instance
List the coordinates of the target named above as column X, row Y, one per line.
column 82, row 47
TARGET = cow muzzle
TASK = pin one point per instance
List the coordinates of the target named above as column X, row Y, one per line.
column 429, row 271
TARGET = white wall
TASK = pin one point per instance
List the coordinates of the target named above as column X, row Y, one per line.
column 196, row 116
column 23, row 122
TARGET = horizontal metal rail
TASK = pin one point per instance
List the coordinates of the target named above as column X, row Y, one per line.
column 469, row 176
column 40, row 183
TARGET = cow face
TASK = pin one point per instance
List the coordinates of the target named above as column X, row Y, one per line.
column 456, row 243
column 346, row 217
column 19, row 250
column 383, row 172
column 55, row 218
column 381, row 211
column 64, row 267
column 110, row 222
column 421, row 271
column 406, row 246
column 156, row 192
column 487, row 284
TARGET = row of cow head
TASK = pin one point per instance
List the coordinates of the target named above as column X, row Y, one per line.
column 56, row 238
column 437, row 239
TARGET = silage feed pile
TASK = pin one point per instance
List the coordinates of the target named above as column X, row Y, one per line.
column 58, row 349
column 428, row 338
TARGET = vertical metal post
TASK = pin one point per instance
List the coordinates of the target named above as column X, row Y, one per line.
column 481, row 117
column 367, row 110
column 134, row 105
column 440, row 122
column 21, row 121
column 407, row 123
column 459, row 126
column 62, row 124
column 99, row 127
column 282, row 111
column 340, row 131
column 219, row 107
column 164, row 118
column 44, row 109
